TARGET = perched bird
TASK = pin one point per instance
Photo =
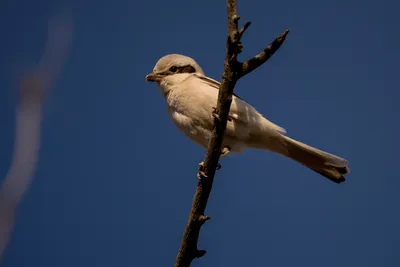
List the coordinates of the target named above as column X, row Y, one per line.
column 191, row 97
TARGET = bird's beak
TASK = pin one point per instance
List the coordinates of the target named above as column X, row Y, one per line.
column 153, row 77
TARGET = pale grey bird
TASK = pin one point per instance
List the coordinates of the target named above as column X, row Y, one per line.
column 191, row 97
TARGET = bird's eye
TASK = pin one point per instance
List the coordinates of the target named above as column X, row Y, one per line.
column 173, row 68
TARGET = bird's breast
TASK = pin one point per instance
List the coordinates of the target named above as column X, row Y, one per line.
column 191, row 114
column 191, row 127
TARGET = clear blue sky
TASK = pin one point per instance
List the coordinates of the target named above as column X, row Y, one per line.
column 115, row 178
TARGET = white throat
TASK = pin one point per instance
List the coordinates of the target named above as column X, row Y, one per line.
column 169, row 82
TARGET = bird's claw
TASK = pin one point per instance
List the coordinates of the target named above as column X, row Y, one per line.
column 201, row 174
column 225, row 151
column 215, row 113
column 201, row 166
column 216, row 116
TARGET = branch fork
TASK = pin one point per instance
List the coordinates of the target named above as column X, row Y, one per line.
column 233, row 71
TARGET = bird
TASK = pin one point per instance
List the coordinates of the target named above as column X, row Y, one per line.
column 191, row 97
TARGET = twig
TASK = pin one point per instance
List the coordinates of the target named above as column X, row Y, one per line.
column 243, row 29
column 256, row 61
column 233, row 71
column 33, row 88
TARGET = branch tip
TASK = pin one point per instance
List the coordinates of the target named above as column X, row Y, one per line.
column 200, row 253
column 259, row 59
column 283, row 35
column 203, row 219
column 243, row 29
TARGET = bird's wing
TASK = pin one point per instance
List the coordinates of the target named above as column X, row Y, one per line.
column 212, row 83
column 237, row 104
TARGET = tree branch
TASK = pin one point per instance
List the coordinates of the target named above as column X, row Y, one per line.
column 233, row 71
column 256, row 61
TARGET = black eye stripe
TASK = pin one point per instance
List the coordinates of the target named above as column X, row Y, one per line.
column 173, row 69
column 186, row 69
column 181, row 69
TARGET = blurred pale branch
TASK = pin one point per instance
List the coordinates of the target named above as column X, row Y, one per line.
column 33, row 88
column 233, row 71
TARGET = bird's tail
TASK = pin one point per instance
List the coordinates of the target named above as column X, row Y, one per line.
column 328, row 165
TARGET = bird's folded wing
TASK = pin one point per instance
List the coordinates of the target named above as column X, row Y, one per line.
column 234, row 112
column 212, row 83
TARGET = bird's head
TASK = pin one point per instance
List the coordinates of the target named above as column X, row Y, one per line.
column 173, row 64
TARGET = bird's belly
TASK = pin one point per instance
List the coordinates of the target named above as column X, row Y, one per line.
column 191, row 128
column 201, row 135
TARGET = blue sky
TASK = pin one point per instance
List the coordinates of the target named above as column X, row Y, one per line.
column 115, row 178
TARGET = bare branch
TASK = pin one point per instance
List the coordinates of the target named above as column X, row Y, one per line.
column 233, row 71
column 243, row 29
column 262, row 57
